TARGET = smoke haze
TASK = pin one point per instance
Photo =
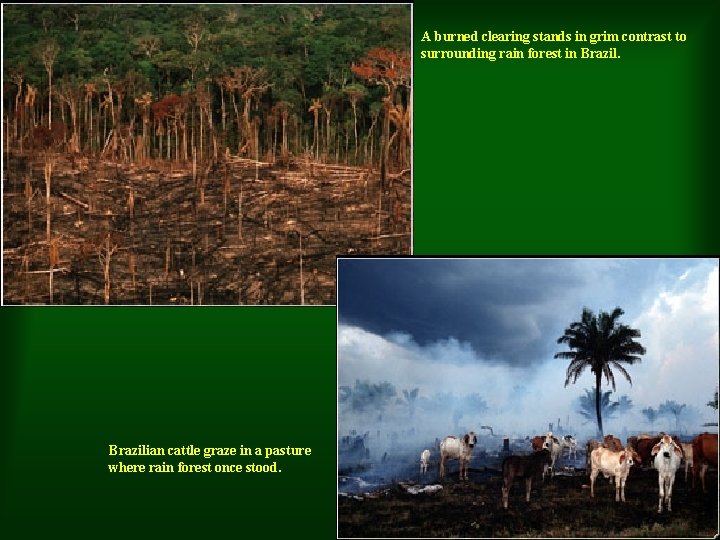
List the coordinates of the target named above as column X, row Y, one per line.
column 474, row 340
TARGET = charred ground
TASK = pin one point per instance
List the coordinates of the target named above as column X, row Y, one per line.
column 561, row 507
column 176, row 237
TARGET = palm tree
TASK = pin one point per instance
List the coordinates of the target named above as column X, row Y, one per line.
column 586, row 405
column 651, row 414
column 600, row 343
column 714, row 402
column 410, row 398
column 671, row 407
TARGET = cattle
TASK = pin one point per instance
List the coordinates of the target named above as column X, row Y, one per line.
column 549, row 442
column 555, row 448
column 644, row 449
column 667, row 461
column 632, row 442
column 610, row 463
column 612, row 443
column 687, row 450
column 539, row 442
column 705, row 453
column 527, row 467
column 460, row 449
column 424, row 460
column 569, row 442
column 589, row 447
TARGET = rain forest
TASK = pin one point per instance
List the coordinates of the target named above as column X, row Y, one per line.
column 201, row 154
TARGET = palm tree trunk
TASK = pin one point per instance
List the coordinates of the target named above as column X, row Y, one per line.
column 597, row 403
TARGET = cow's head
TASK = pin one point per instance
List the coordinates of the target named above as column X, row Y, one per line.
column 666, row 447
column 470, row 439
column 627, row 456
column 547, row 443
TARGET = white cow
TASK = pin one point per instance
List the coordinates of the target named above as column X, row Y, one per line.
column 569, row 442
column 552, row 444
column 667, row 461
column 611, row 463
column 460, row 449
column 424, row 460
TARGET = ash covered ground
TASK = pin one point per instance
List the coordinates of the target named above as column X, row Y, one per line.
column 388, row 497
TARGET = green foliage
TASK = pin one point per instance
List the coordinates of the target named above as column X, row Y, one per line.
column 306, row 50
column 302, row 44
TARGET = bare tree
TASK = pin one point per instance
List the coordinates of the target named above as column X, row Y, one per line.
column 108, row 243
column 48, row 51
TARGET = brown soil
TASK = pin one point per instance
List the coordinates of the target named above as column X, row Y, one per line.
column 176, row 246
column 561, row 507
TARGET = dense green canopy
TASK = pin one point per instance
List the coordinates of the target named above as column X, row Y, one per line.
column 110, row 57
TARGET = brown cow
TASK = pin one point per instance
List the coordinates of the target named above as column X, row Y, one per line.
column 632, row 442
column 543, row 441
column 527, row 467
column 612, row 443
column 537, row 442
column 644, row 450
column 705, row 453
column 589, row 447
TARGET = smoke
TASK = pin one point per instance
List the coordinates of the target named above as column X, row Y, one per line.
column 431, row 350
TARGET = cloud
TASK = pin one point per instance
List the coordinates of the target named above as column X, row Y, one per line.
column 503, row 309
column 489, row 327
column 680, row 332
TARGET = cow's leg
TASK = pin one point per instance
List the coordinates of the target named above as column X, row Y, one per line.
column 694, row 472
column 443, row 459
column 661, row 484
column 618, row 484
column 506, row 490
column 668, row 493
column 528, row 488
column 703, row 469
column 593, row 476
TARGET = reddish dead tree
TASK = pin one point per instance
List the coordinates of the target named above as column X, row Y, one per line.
column 167, row 110
column 391, row 69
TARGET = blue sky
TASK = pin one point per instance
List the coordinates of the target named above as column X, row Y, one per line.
column 490, row 327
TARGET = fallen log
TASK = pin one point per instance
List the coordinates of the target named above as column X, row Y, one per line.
column 74, row 200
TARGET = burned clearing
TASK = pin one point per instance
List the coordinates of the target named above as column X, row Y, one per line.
column 237, row 231
column 560, row 506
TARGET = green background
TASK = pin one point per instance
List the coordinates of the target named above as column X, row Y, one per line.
column 568, row 157
column 565, row 158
